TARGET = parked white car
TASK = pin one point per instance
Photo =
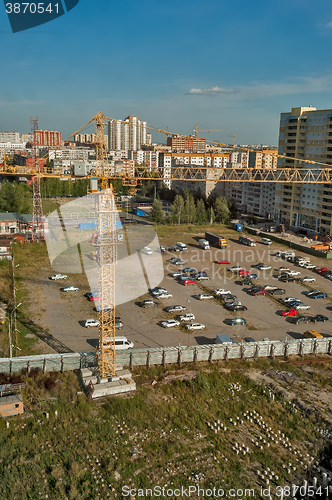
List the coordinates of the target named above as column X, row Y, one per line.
column 187, row 317
column 301, row 307
column 221, row 291
column 307, row 279
column 293, row 273
column 147, row 251
column 58, row 277
column 91, row 322
column 203, row 296
column 70, row 289
column 195, row 326
column 158, row 291
column 163, row 295
column 169, row 323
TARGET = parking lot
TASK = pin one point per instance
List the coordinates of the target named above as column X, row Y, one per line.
column 64, row 314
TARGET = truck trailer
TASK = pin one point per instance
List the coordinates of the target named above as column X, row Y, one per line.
column 216, row 240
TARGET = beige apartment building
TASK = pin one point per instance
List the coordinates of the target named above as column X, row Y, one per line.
column 305, row 133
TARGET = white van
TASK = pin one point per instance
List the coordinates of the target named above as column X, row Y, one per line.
column 121, row 343
column 266, row 241
column 182, row 246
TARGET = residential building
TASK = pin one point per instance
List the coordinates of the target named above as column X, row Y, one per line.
column 305, row 134
column 10, row 137
column 189, row 144
column 128, row 134
column 263, row 159
column 82, row 139
column 48, row 138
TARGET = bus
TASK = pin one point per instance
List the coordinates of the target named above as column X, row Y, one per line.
column 247, row 241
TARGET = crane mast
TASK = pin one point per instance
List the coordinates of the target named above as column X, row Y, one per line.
column 106, row 241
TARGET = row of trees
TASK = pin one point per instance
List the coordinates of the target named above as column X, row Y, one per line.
column 53, row 187
column 186, row 210
column 17, row 197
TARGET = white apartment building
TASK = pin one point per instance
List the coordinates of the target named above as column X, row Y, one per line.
column 10, row 137
column 128, row 134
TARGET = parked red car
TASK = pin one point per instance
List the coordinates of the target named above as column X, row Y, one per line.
column 243, row 272
column 290, row 312
column 260, row 292
column 321, row 270
column 189, row 282
column 223, row 262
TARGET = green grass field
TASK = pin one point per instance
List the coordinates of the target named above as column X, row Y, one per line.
column 205, row 425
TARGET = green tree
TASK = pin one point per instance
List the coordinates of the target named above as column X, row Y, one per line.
column 201, row 211
column 232, row 208
column 14, row 197
column 221, row 209
column 157, row 214
column 177, row 209
column 211, row 215
column 189, row 215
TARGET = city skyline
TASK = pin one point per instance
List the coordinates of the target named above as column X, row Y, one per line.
column 222, row 66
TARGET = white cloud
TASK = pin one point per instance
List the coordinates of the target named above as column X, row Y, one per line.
column 210, row 91
column 302, row 85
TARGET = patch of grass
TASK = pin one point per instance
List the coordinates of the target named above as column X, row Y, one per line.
column 160, row 435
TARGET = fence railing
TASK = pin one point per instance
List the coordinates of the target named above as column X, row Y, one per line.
column 171, row 355
column 74, row 215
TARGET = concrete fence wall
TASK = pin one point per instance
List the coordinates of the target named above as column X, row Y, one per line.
column 290, row 244
column 163, row 356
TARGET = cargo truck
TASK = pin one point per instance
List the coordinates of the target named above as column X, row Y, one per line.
column 204, row 244
column 216, row 240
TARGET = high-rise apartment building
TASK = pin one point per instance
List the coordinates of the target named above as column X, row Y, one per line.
column 128, row 134
column 305, row 134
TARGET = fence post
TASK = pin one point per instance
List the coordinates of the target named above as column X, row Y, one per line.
column 314, row 350
column 131, row 361
column 163, row 361
column 286, row 351
column 226, row 353
column 242, row 351
column 179, row 358
column 148, row 360
column 329, row 351
column 301, row 349
column 257, row 351
column 272, row 351
column 211, row 355
column 28, row 366
column 11, row 367
column 44, row 366
column 195, row 355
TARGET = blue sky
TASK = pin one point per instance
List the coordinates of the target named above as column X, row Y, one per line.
column 222, row 64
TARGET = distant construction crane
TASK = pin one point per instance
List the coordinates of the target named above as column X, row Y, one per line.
column 196, row 130
column 234, row 138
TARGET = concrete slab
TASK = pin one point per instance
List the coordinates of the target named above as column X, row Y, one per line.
column 111, row 388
